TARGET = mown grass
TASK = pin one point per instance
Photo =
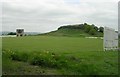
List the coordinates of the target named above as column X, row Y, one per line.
column 69, row 56
column 54, row 44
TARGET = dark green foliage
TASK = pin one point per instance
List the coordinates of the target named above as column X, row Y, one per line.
column 96, row 28
column 11, row 33
column 101, row 29
column 87, row 28
column 85, row 23
column 92, row 31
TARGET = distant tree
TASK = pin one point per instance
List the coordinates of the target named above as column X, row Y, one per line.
column 85, row 24
column 96, row 28
column 92, row 31
column 59, row 27
column 81, row 26
column 11, row 33
column 87, row 28
column 93, row 25
column 101, row 29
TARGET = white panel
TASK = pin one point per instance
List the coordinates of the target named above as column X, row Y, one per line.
column 110, row 39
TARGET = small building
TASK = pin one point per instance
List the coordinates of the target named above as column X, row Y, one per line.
column 19, row 32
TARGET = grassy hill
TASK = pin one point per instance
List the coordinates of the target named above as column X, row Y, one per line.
column 79, row 30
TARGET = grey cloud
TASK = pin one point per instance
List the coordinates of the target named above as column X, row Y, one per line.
column 45, row 18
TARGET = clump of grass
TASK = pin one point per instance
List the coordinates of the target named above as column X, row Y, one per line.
column 48, row 60
column 76, row 65
column 51, row 60
column 37, row 60
column 85, row 69
column 19, row 56
column 14, row 55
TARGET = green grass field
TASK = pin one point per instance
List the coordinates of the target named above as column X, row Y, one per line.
column 58, row 56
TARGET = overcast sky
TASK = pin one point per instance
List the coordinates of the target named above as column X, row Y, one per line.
column 48, row 15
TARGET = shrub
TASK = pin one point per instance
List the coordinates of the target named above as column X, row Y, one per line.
column 11, row 33
column 87, row 28
column 92, row 32
column 101, row 29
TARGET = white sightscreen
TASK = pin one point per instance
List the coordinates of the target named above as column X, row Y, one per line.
column 110, row 39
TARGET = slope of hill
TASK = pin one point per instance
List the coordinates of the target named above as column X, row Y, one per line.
column 79, row 30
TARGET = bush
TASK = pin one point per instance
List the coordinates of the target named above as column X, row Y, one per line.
column 92, row 32
column 11, row 33
column 87, row 28
column 101, row 29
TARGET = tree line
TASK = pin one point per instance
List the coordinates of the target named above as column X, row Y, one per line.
column 90, row 29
